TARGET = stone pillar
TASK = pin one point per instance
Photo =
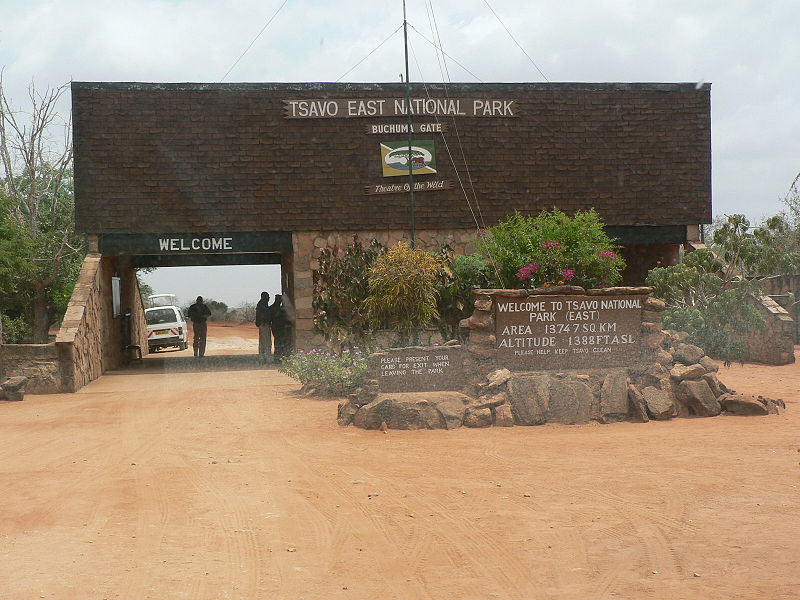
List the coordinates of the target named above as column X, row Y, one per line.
column 300, row 266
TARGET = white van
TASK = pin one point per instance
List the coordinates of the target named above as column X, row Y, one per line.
column 166, row 326
column 162, row 300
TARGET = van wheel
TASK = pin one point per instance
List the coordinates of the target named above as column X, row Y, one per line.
column 184, row 346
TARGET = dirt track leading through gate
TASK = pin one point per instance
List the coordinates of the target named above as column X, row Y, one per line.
column 229, row 485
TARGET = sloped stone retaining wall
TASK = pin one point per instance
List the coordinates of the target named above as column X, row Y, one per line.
column 90, row 339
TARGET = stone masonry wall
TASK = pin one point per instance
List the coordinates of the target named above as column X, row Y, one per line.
column 39, row 363
column 786, row 284
column 307, row 247
column 198, row 157
column 90, row 340
column 775, row 346
column 80, row 337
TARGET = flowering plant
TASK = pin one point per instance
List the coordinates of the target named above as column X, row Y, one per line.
column 329, row 373
column 552, row 248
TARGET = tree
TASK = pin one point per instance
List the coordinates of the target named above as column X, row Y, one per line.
column 754, row 252
column 791, row 240
column 36, row 187
column 712, row 293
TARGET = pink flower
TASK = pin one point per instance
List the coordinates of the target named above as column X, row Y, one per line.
column 527, row 271
column 551, row 245
column 609, row 255
column 568, row 274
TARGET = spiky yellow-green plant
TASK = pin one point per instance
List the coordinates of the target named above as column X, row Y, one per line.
column 402, row 290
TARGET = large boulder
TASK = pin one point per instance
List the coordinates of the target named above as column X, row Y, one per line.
column 688, row 354
column 654, row 375
column 503, row 417
column 451, row 405
column 13, row 388
column 717, row 387
column 478, row 417
column 659, row 404
column 530, row 397
column 614, row 397
column 570, row 402
column 743, row 405
column 413, row 410
column 681, row 372
column 709, row 364
column 372, row 415
column 698, row 398
column 638, row 406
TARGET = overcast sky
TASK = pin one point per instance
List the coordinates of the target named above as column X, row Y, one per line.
column 748, row 50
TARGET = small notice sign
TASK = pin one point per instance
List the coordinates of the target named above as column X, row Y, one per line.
column 418, row 369
column 568, row 332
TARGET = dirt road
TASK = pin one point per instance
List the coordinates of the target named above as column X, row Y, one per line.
column 228, row 485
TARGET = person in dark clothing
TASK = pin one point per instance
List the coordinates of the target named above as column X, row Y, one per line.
column 281, row 328
column 198, row 314
column 264, row 324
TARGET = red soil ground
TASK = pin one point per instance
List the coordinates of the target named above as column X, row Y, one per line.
column 230, row 485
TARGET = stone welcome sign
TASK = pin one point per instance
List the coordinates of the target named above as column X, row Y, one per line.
column 568, row 332
column 549, row 355
column 418, row 369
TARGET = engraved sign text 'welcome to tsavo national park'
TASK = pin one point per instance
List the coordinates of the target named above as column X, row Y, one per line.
column 568, row 332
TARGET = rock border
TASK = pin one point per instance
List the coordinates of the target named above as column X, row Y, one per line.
column 675, row 379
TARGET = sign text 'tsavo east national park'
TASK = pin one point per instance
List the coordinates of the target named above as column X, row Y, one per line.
column 568, row 332
column 324, row 108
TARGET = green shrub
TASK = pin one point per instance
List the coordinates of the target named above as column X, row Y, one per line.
column 402, row 290
column 16, row 330
column 721, row 326
column 458, row 276
column 329, row 373
column 551, row 248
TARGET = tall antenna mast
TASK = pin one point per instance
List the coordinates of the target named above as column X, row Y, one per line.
column 408, row 117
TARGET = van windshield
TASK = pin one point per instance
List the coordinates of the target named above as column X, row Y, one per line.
column 160, row 315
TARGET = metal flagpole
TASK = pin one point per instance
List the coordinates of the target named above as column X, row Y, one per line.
column 408, row 116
